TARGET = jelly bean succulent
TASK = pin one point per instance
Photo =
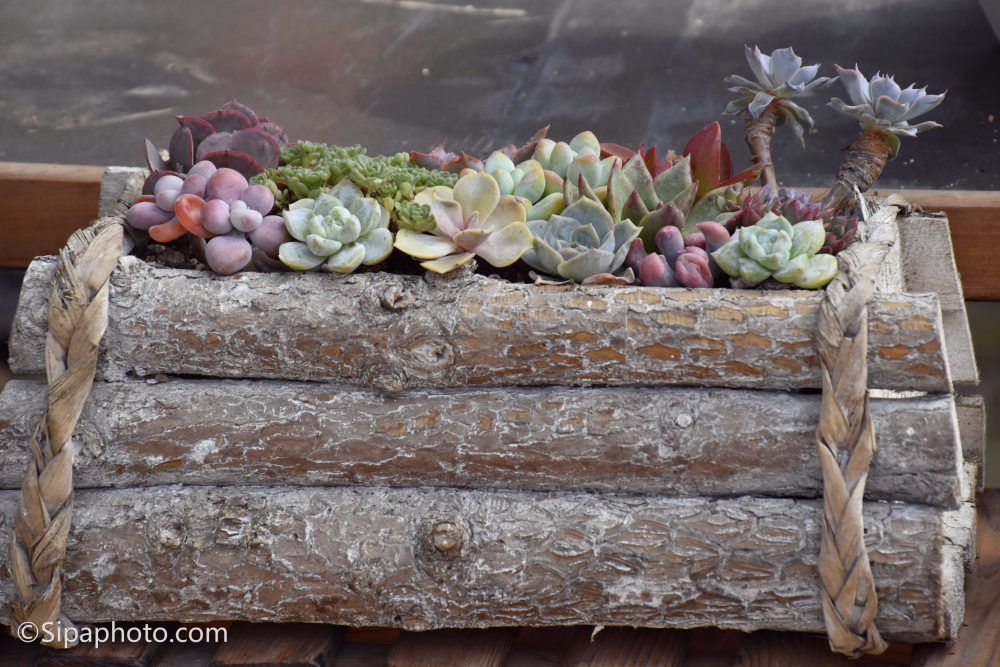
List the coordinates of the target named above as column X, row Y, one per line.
column 216, row 205
column 473, row 219
column 581, row 243
column 680, row 262
column 884, row 110
column 767, row 102
column 340, row 230
column 775, row 248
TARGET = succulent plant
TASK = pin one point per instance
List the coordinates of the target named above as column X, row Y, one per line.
column 472, row 219
column 581, row 156
column 796, row 206
column 684, row 262
column 309, row 169
column 767, row 102
column 341, row 230
column 580, row 243
column 774, row 248
column 232, row 136
column 212, row 203
column 884, row 111
column 541, row 190
column 672, row 197
column 649, row 156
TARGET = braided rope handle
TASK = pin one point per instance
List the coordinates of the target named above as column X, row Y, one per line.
column 845, row 439
column 78, row 316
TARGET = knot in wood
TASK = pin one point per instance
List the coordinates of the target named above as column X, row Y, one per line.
column 396, row 298
column 446, row 537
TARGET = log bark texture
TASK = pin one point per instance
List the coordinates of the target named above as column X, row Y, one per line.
column 428, row 558
column 669, row 441
column 395, row 331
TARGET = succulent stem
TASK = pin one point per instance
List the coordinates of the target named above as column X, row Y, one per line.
column 865, row 160
column 758, row 135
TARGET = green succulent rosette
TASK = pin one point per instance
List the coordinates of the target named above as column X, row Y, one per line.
column 340, row 230
column 775, row 248
column 581, row 242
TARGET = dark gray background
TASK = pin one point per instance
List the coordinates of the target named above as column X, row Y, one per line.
column 84, row 82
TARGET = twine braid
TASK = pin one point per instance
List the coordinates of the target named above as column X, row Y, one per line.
column 846, row 442
column 78, row 316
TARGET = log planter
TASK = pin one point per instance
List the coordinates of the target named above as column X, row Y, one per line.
column 425, row 452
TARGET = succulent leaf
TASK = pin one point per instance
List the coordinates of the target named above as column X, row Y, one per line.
column 882, row 105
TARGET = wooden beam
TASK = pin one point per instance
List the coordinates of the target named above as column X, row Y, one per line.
column 279, row 645
column 469, row 648
column 41, row 205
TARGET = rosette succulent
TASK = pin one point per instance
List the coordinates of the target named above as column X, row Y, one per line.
column 698, row 187
column 232, row 136
column 684, row 262
column 581, row 156
column 528, row 181
column 775, row 248
column 767, row 102
column 341, row 230
column 580, row 243
column 884, row 111
column 472, row 219
column 796, row 206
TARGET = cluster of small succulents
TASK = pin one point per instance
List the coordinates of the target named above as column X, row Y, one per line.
column 579, row 210
column 216, row 205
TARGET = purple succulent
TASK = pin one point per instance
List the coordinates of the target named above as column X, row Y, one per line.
column 232, row 136
column 682, row 261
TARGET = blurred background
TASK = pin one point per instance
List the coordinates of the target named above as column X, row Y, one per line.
column 85, row 82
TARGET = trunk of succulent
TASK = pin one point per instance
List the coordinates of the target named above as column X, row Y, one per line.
column 865, row 160
column 758, row 135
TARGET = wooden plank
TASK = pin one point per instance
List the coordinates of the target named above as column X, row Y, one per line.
column 118, row 653
column 783, row 649
column 929, row 266
column 430, row 558
column 971, row 414
column 474, row 331
column 624, row 647
column 279, row 645
column 668, row 441
column 469, row 648
column 978, row 641
column 41, row 205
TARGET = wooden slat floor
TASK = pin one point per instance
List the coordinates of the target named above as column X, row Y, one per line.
column 288, row 645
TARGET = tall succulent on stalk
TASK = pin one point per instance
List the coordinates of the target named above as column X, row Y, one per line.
column 767, row 102
column 582, row 243
column 341, row 230
column 884, row 111
column 774, row 248
column 473, row 219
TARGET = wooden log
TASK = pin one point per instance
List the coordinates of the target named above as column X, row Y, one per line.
column 667, row 441
column 395, row 331
column 431, row 558
column 469, row 648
